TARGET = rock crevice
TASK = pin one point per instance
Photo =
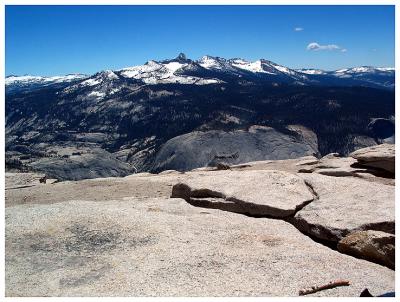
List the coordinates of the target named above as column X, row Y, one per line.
column 262, row 193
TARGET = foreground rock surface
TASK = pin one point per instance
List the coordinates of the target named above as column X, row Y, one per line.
column 379, row 156
column 127, row 237
column 371, row 245
column 265, row 193
column 165, row 247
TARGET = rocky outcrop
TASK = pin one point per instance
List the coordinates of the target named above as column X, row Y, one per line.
column 345, row 204
column 82, row 165
column 258, row 143
column 334, row 165
column 261, row 193
column 361, row 141
column 324, row 207
column 383, row 129
column 331, row 165
column 380, row 156
column 371, row 245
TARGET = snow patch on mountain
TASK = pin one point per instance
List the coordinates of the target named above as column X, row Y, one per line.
column 284, row 69
column 90, row 82
column 174, row 66
column 209, row 63
column 250, row 66
column 364, row 69
column 385, row 68
column 311, row 71
column 96, row 94
column 216, row 64
column 109, row 74
column 29, row 79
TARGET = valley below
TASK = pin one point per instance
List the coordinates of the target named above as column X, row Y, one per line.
column 183, row 114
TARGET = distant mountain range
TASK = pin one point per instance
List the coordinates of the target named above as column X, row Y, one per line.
column 214, row 70
column 182, row 114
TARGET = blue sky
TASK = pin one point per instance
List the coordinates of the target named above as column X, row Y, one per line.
column 52, row 40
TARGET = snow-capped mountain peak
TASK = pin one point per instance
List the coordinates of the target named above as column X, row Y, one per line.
column 100, row 77
column 256, row 66
column 355, row 69
column 166, row 71
column 109, row 74
column 311, row 71
column 181, row 58
column 390, row 69
column 238, row 64
column 29, row 79
column 27, row 82
column 210, row 62
column 364, row 69
column 216, row 64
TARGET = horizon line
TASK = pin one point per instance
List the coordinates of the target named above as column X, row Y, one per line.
column 194, row 60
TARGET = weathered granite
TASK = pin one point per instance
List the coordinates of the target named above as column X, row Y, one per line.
column 371, row 245
column 345, row 204
column 379, row 156
column 263, row 193
column 166, row 247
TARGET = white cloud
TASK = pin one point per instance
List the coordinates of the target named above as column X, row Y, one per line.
column 314, row 46
column 298, row 29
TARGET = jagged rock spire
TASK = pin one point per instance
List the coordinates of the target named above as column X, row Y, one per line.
column 181, row 56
